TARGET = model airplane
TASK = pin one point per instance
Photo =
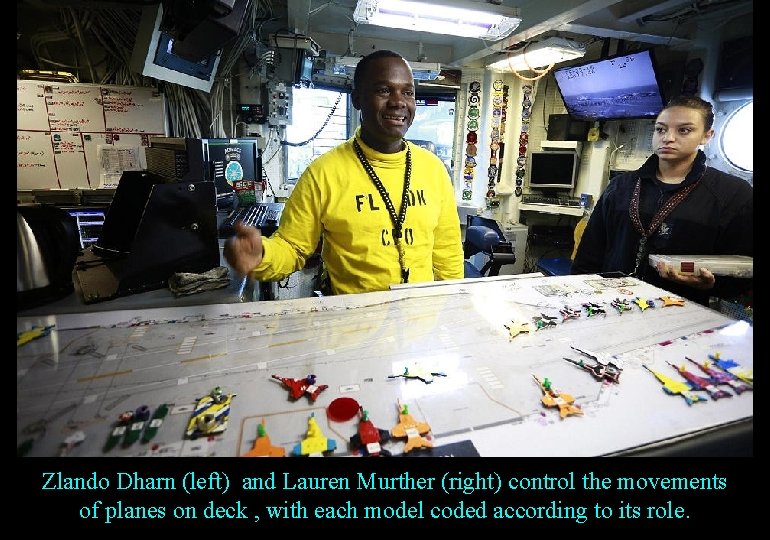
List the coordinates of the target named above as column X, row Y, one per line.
column 671, row 301
column 155, row 422
column 594, row 309
column 315, row 444
column 22, row 338
column 644, row 304
column 419, row 373
column 621, row 305
column 672, row 387
column 211, row 414
column 141, row 415
column 553, row 398
column 410, row 429
column 118, row 430
column 299, row 387
column 71, row 442
column 701, row 383
column 517, row 328
column 568, row 313
column 731, row 366
column 601, row 371
column 369, row 437
column 262, row 445
column 544, row 321
column 723, row 377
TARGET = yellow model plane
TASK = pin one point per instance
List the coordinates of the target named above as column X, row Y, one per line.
column 211, row 414
column 674, row 387
column 22, row 338
column 314, row 443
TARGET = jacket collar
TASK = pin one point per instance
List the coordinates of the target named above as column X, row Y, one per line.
column 649, row 170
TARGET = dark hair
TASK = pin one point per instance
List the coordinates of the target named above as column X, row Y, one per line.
column 363, row 64
column 694, row 102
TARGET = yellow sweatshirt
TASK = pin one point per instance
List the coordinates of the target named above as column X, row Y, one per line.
column 335, row 198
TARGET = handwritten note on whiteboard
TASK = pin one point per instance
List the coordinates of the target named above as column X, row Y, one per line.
column 34, row 160
column 74, row 108
column 31, row 113
column 58, row 124
column 133, row 110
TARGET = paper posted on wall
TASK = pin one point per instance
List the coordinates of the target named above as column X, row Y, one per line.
column 114, row 161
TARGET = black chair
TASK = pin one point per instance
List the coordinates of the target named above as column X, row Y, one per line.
column 562, row 266
column 483, row 235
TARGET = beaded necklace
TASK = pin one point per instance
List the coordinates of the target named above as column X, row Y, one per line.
column 397, row 219
column 657, row 219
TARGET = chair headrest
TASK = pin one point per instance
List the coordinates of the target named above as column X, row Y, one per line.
column 480, row 239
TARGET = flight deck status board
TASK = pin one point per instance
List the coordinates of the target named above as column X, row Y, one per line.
column 71, row 135
column 509, row 367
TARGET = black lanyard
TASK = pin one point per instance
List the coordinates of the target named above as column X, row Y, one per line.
column 657, row 219
column 398, row 220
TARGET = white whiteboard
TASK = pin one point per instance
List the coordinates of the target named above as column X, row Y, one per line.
column 60, row 126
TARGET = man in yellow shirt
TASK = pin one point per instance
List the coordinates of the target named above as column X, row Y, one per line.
column 384, row 207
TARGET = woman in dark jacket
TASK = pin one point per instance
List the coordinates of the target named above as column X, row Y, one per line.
column 673, row 205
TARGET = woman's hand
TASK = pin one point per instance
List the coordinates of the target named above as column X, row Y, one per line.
column 703, row 281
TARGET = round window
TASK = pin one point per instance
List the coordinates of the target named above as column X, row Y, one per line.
column 737, row 140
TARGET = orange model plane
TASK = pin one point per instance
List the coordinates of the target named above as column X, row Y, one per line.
column 411, row 429
column 262, row 445
column 554, row 398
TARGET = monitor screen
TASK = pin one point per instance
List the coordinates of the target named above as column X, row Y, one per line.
column 90, row 222
column 622, row 86
column 553, row 170
column 153, row 55
column 232, row 162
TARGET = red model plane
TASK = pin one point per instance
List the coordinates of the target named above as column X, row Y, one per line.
column 701, row 383
column 722, row 377
column 369, row 437
column 299, row 387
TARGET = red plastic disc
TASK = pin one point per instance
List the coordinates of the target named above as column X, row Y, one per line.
column 342, row 409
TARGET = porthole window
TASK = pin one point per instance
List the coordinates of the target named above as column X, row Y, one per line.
column 737, row 139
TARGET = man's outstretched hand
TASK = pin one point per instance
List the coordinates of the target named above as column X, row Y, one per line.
column 244, row 250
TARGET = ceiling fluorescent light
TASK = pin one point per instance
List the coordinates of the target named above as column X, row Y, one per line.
column 465, row 18
column 552, row 50
column 422, row 71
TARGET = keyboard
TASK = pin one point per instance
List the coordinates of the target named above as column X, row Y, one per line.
column 264, row 216
column 534, row 198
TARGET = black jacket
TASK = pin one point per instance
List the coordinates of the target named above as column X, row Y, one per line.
column 716, row 218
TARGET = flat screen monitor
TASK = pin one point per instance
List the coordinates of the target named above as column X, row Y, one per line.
column 553, row 170
column 90, row 222
column 233, row 163
column 613, row 88
column 153, row 55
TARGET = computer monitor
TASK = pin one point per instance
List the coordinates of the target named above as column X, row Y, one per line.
column 89, row 221
column 235, row 166
column 226, row 162
column 553, row 170
column 612, row 88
